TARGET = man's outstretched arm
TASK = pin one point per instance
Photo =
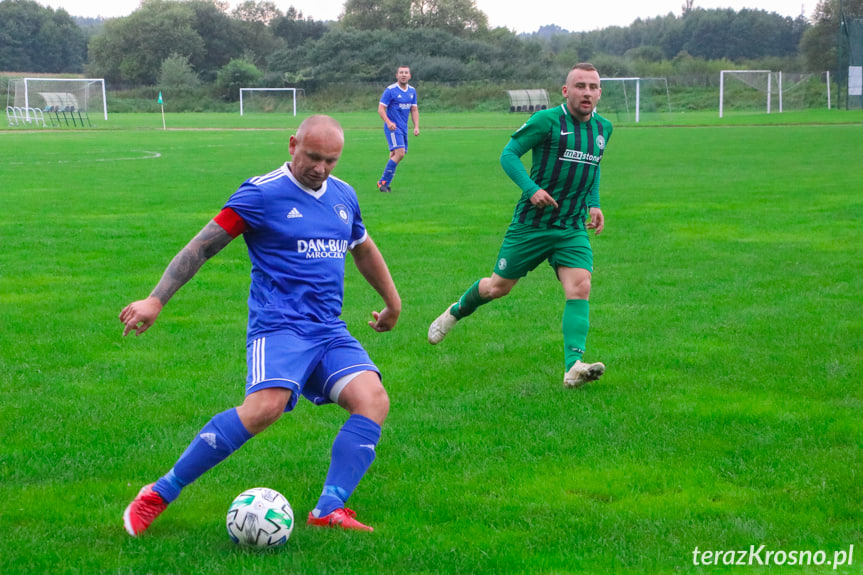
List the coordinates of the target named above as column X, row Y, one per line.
column 140, row 315
column 372, row 266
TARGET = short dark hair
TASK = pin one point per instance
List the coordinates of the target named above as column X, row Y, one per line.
column 587, row 66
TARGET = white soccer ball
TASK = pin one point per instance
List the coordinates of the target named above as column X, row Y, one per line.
column 260, row 517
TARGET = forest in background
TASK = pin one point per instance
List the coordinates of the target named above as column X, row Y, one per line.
column 201, row 47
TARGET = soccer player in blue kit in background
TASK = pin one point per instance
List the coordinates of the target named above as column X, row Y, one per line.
column 298, row 222
column 398, row 102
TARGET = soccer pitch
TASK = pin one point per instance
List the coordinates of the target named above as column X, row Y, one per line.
column 727, row 303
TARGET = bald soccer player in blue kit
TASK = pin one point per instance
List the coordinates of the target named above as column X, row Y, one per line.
column 298, row 223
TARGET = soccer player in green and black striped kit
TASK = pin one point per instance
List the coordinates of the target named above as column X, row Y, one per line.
column 558, row 205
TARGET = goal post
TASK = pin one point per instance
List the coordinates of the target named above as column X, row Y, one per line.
column 769, row 91
column 634, row 95
column 250, row 91
column 73, row 94
column 760, row 80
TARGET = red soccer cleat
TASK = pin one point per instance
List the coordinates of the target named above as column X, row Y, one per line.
column 143, row 510
column 344, row 518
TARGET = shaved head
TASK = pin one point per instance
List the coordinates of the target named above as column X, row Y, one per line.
column 315, row 150
column 323, row 126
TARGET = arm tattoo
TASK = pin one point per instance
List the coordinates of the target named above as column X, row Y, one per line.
column 186, row 264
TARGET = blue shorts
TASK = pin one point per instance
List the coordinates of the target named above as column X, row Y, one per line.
column 396, row 139
column 308, row 366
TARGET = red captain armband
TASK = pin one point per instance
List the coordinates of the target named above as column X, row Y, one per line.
column 231, row 222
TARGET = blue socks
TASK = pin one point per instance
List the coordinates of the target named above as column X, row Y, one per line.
column 353, row 453
column 389, row 172
column 222, row 436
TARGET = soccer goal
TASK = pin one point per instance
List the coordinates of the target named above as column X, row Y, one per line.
column 527, row 100
column 63, row 101
column 630, row 97
column 749, row 90
column 269, row 100
column 768, row 91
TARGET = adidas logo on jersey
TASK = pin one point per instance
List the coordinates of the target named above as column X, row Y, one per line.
column 294, row 213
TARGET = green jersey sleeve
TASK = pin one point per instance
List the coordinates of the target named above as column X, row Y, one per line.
column 529, row 135
column 510, row 160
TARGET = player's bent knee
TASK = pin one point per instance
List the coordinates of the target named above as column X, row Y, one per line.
column 379, row 402
column 263, row 408
column 581, row 290
column 374, row 404
column 366, row 396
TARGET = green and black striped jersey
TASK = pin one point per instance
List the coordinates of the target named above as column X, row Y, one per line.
column 566, row 155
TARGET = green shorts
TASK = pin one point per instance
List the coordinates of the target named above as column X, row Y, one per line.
column 525, row 247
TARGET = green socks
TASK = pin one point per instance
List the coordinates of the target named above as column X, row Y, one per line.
column 468, row 302
column 575, row 326
column 575, row 321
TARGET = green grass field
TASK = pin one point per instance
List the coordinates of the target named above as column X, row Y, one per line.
column 727, row 303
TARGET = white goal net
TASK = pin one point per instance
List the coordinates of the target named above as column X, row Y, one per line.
column 771, row 92
column 269, row 100
column 67, row 101
column 634, row 99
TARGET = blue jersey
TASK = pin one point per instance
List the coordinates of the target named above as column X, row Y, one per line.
column 399, row 103
column 297, row 240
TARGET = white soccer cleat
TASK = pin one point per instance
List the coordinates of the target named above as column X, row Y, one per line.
column 441, row 326
column 580, row 373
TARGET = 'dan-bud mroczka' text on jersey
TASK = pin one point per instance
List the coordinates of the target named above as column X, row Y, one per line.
column 297, row 240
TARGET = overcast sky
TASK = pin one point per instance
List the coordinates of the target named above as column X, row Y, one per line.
column 520, row 16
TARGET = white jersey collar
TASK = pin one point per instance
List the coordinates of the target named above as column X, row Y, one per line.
column 315, row 193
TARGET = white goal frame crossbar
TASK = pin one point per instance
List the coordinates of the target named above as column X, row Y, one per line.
column 294, row 90
column 100, row 80
column 637, row 81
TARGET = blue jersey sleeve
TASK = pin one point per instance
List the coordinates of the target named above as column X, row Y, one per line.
column 247, row 201
column 385, row 97
column 358, row 229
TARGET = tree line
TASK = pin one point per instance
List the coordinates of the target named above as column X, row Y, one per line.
column 189, row 42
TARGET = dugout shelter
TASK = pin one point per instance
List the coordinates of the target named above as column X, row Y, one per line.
column 527, row 100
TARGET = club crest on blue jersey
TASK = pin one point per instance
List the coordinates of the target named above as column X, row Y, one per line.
column 342, row 212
